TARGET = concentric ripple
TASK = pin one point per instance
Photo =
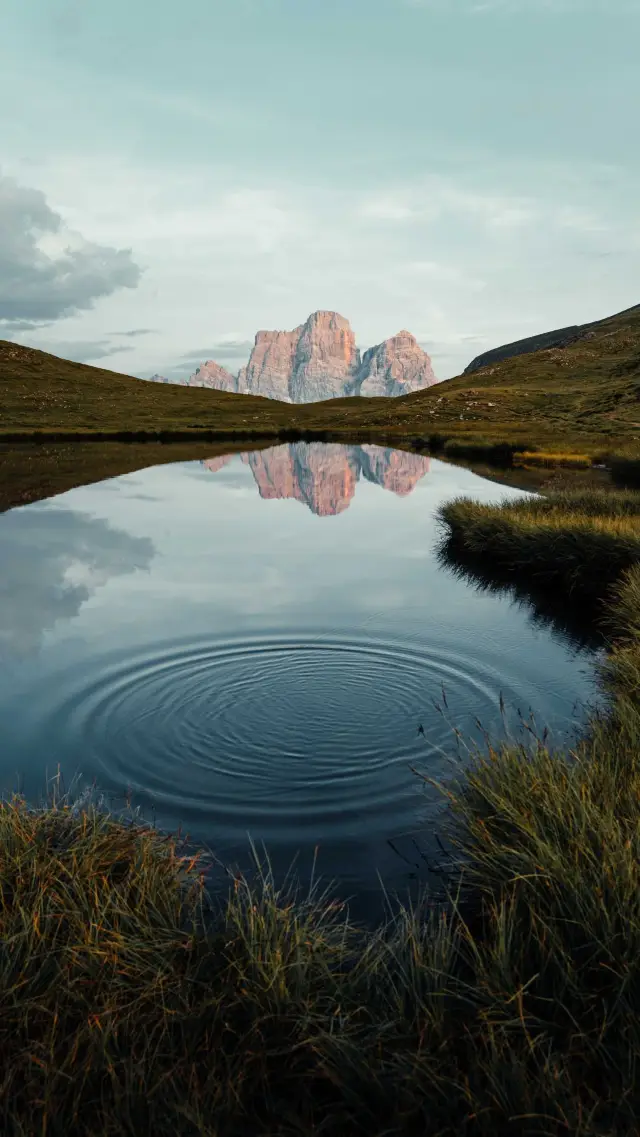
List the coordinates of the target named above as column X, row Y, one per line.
column 286, row 738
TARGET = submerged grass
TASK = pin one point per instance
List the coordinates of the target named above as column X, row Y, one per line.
column 131, row 1001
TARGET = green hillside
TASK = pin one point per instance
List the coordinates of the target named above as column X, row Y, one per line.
column 585, row 394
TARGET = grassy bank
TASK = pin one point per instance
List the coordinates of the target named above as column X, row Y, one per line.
column 134, row 1002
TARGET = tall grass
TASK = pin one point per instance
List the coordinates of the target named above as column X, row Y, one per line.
column 557, row 458
column 582, row 542
column 132, row 1002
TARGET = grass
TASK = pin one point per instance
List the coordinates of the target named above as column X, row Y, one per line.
column 134, row 1002
column 541, row 458
column 580, row 398
column 579, row 542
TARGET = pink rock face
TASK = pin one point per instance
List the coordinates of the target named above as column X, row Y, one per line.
column 270, row 365
column 319, row 360
column 211, row 374
column 326, row 359
column 324, row 475
column 396, row 367
column 316, row 361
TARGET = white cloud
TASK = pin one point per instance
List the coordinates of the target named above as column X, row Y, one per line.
column 448, row 258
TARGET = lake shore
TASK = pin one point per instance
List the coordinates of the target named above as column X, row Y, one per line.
column 134, row 1001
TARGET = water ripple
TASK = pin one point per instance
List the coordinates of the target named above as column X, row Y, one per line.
column 289, row 736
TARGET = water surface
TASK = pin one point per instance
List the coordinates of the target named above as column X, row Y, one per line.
column 258, row 645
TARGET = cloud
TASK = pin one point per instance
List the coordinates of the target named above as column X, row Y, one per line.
column 47, row 271
column 437, row 197
column 135, row 332
column 53, row 561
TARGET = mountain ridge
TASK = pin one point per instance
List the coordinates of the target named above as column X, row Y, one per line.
column 319, row 360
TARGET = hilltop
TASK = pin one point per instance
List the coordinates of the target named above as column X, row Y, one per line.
column 587, row 390
column 560, row 337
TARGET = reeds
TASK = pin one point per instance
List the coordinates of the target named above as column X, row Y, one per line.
column 551, row 459
column 132, row 1002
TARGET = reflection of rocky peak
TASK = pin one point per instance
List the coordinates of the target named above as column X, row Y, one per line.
column 395, row 367
column 327, row 476
column 324, row 475
column 215, row 464
column 394, row 469
column 211, row 374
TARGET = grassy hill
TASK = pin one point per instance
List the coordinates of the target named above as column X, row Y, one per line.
column 585, row 394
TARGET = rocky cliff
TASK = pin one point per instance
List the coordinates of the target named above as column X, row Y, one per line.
column 324, row 476
column 319, row 360
column 211, row 374
column 395, row 367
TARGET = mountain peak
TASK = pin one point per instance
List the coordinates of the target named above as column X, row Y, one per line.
column 319, row 360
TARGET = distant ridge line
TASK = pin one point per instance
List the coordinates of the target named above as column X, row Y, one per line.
column 561, row 337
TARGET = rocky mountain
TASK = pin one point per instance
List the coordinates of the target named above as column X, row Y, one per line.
column 211, row 374
column 323, row 476
column 395, row 367
column 319, row 360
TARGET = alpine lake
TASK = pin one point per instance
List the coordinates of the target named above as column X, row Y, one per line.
column 266, row 648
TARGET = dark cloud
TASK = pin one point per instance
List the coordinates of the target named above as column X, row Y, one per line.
column 46, row 272
column 51, row 563
column 135, row 332
column 18, row 326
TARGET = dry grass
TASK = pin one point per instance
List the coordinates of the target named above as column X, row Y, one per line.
column 541, row 458
column 580, row 398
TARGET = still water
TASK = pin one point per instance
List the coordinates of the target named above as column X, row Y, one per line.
column 257, row 645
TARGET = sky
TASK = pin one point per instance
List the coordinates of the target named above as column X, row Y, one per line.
column 176, row 176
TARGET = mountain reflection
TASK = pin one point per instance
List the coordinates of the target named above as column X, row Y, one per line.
column 323, row 475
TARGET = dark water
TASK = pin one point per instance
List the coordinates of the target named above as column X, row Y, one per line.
column 252, row 645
